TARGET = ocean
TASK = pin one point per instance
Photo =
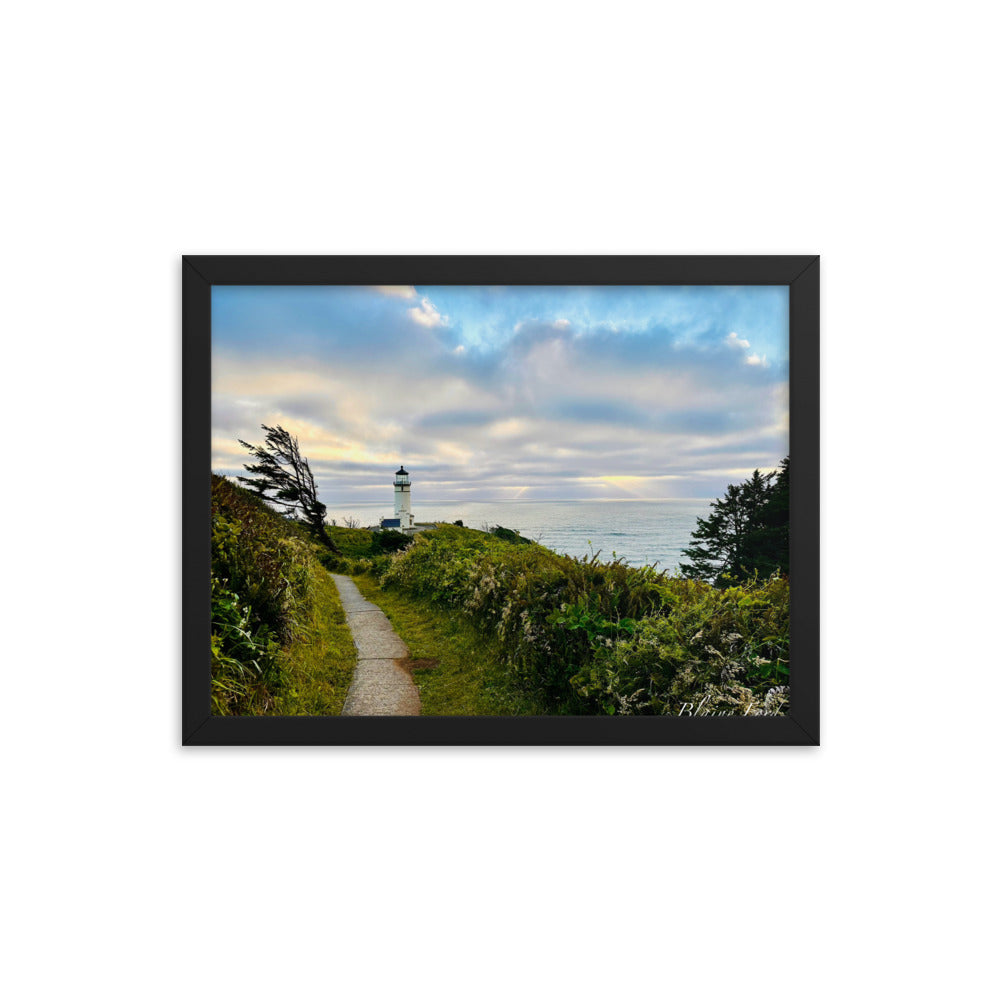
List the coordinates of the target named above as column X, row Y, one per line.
column 642, row 532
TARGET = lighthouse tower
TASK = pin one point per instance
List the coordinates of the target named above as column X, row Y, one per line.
column 402, row 505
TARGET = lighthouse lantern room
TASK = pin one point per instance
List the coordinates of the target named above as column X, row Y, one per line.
column 402, row 505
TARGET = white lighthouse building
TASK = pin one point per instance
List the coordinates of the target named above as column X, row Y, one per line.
column 401, row 508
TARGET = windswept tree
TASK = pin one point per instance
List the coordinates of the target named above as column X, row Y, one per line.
column 746, row 534
column 283, row 477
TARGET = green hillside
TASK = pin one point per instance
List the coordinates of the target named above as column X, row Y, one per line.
column 580, row 636
column 280, row 642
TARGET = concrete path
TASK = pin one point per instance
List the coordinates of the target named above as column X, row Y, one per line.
column 381, row 684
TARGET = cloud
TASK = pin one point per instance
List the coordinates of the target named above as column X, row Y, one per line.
column 563, row 392
column 426, row 315
column 453, row 418
column 396, row 291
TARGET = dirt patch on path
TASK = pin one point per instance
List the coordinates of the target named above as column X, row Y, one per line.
column 421, row 664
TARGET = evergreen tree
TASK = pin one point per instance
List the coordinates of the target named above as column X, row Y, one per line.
column 284, row 479
column 770, row 553
column 746, row 534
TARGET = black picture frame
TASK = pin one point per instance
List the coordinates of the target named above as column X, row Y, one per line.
column 799, row 727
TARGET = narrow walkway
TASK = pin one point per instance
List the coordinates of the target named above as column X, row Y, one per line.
column 381, row 684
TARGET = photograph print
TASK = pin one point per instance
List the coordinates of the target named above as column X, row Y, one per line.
column 500, row 501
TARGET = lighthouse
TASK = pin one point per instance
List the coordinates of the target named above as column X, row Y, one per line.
column 402, row 504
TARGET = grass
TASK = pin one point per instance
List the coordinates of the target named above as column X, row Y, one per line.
column 352, row 542
column 468, row 678
column 319, row 663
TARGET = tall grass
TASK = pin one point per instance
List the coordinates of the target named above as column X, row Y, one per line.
column 457, row 668
column 266, row 585
column 584, row 636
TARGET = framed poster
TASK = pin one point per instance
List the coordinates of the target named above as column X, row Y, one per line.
column 501, row 500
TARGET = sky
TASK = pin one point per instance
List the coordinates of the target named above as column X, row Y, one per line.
column 503, row 393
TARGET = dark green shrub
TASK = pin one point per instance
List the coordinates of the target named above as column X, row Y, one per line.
column 389, row 541
column 327, row 559
column 509, row 535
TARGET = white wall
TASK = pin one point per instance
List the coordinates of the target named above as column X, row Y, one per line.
column 137, row 869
